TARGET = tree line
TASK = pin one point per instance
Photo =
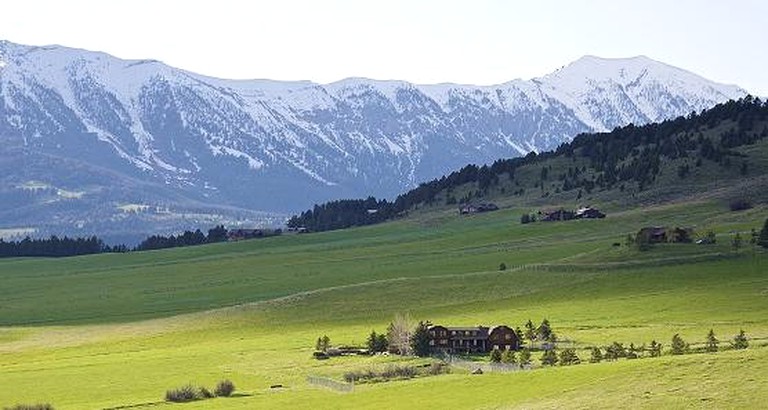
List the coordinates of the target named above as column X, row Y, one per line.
column 626, row 155
column 187, row 238
column 55, row 246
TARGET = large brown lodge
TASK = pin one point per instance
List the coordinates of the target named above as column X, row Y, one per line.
column 477, row 339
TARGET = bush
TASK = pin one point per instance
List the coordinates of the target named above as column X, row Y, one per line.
column 39, row 406
column 183, row 394
column 502, row 266
column 351, row 377
column 390, row 372
column 204, row 393
column 224, row 388
column 438, row 368
column 405, row 372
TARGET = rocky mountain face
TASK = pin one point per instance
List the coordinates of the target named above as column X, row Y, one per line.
column 95, row 144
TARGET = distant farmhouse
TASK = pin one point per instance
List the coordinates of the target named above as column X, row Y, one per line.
column 565, row 215
column 476, row 339
column 588, row 212
column 469, row 209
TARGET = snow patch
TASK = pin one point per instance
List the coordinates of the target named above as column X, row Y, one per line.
column 253, row 163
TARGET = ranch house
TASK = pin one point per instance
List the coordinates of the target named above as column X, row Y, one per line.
column 476, row 339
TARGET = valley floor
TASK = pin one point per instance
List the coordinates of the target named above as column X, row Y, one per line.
column 106, row 331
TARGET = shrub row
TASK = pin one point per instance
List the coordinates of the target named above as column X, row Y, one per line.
column 394, row 372
column 188, row 392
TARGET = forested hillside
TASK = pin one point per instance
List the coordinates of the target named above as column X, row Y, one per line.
column 693, row 150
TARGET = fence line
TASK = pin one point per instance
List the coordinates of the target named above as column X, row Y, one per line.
column 485, row 367
column 329, row 383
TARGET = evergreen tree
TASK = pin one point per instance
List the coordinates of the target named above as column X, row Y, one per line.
column 544, row 331
column 568, row 357
column 495, row 355
column 737, row 241
column 520, row 338
column 326, row 342
column 376, row 343
column 323, row 343
column 508, row 356
column 530, row 331
column 549, row 358
column 217, row 234
column 552, row 337
column 382, row 344
column 371, row 342
column 597, row 355
column 762, row 239
column 655, row 349
column 420, row 340
column 615, row 351
column 740, row 341
column 678, row 345
column 712, row 341
column 525, row 357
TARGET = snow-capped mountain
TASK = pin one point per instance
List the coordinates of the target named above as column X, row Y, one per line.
column 128, row 132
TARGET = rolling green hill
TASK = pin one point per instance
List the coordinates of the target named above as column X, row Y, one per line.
column 113, row 330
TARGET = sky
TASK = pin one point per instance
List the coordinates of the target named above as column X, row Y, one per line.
column 471, row 42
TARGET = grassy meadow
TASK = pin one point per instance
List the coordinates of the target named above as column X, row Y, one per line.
column 110, row 330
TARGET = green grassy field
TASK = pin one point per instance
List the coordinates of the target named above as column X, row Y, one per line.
column 119, row 330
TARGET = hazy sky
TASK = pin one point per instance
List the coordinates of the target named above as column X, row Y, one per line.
column 477, row 41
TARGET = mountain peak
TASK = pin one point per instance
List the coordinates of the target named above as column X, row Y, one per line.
column 623, row 69
column 589, row 58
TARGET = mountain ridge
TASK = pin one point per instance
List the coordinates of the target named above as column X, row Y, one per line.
column 275, row 146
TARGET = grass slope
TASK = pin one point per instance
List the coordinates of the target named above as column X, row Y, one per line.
column 112, row 330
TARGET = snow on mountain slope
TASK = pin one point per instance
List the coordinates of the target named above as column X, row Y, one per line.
column 605, row 93
column 281, row 146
